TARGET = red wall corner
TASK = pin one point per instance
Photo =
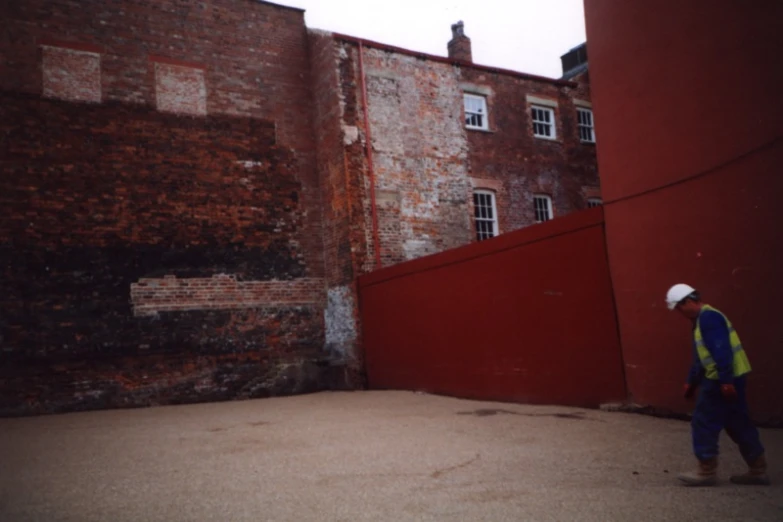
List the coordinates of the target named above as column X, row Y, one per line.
column 525, row 317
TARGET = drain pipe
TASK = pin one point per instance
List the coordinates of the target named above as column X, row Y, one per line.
column 370, row 169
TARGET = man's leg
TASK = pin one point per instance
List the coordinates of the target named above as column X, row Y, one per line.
column 707, row 422
column 744, row 433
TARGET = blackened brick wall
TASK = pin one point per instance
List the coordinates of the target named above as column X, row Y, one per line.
column 154, row 258
column 99, row 196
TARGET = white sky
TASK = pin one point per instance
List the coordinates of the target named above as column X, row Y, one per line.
column 522, row 35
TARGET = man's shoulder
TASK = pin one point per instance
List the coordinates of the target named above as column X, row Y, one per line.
column 712, row 318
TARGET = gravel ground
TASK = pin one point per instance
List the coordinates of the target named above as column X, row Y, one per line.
column 386, row 456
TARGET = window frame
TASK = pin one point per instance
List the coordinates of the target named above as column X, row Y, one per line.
column 594, row 202
column 553, row 124
column 580, row 126
column 549, row 207
column 484, row 116
column 494, row 210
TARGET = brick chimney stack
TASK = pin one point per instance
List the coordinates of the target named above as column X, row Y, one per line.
column 459, row 46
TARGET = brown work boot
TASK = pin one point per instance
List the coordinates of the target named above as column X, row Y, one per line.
column 756, row 474
column 705, row 475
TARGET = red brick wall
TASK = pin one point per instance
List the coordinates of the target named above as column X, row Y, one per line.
column 460, row 49
column 254, row 54
column 522, row 165
column 103, row 195
column 254, row 57
column 220, row 292
column 419, row 153
column 332, row 177
column 474, row 323
column 427, row 164
column 341, row 177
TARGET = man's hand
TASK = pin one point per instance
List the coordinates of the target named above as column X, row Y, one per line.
column 688, row 391
column 729, row 392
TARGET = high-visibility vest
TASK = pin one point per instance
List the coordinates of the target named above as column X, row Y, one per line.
column 741, row 363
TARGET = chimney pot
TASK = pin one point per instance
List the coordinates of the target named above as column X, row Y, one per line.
column 458, row 29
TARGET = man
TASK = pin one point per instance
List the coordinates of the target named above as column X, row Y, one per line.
column 719, row 367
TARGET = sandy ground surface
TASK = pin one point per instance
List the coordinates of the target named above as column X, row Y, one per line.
column 387, row 456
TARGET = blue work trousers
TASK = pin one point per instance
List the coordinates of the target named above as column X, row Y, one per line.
column 714, row 413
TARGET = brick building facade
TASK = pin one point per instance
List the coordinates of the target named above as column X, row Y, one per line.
column 189, row 195
column 443, row 129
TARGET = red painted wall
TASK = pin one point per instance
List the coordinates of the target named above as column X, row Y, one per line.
column 526, row 317
column 689, row 122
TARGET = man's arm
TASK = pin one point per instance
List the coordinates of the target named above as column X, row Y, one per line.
column 696, row 373
column 715, row 333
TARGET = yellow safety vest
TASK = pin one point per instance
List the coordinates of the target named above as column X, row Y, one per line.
column 741, row 363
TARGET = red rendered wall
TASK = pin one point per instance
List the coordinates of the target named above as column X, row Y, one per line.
column 689, row 122
column 525, row 317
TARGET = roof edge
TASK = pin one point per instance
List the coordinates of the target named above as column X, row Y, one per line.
column 576, row 71
column 451, row 61
column 273, row 4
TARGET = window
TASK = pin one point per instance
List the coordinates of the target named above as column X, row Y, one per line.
column 594, row 202
column 486, row 214
column 476, row 112
column 543, row 208
column 543, row 122
column 584, row 118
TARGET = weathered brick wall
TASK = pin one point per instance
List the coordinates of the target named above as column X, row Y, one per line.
column 253, row 57
column 340, row 323
column 510, row 161
column 420, row 153
column 341, row 176
column 427, row 163
column 116, row 220
column 173, row 143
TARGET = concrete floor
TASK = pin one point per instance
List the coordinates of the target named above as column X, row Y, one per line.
column 385, row 456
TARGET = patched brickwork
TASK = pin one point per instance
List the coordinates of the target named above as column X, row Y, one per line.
column 221, row 292
column 341, row 324
column 427, row 163
column 420, row 154
column 180, row 89
column 70, row 74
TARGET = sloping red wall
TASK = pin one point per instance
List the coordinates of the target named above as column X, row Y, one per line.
column 689, row 122
column 525, row 317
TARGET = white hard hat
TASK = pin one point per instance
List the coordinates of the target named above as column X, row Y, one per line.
column 677, row 293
